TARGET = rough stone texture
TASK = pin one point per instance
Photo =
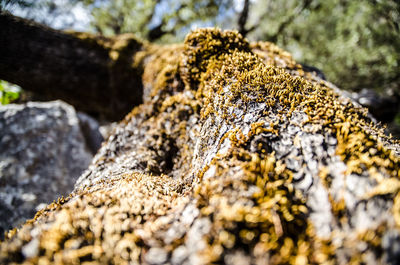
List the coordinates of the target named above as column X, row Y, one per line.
column 383, row 107
column 237, row 156
column 91, row 132
column 42, row 153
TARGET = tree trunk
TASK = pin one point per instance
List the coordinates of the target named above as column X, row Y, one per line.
column 236, row 156
column 95, row 74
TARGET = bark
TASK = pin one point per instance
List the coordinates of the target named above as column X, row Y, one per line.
column 236, row 156
column 244, row 14
column 95, row 74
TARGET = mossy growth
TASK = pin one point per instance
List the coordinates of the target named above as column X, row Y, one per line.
column 120, row 46
column 271, row 225
column 235, row 79
column 203, row 46
column 248, row 195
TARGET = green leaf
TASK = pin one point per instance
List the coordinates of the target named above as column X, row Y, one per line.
column 8, row 92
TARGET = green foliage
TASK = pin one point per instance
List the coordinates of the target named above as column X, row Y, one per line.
column 156, row 20
column 8, row 92
column 121, row 16
column 356, row 43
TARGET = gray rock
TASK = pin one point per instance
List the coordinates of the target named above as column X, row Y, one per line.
column 174, row 185
column 91, row 131
column 156, row 256
column 42, row 153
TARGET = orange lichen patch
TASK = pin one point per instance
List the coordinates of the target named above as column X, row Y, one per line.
column 362, row 151
column 360, row 143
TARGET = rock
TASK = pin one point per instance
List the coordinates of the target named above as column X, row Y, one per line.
column 314, row 70
column 156, row 256
column 237, row 156
column 91, row 131
column 42, row 153
column 382, row 107
column 107, row 128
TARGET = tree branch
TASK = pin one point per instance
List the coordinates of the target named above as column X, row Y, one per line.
column 81, row 69
column 157, row 32
column 243, row 18
column 149, row 17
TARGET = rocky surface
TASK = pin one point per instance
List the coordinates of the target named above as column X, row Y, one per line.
column 236, row 156
column 42, row 153
column 91, row 131
column 382, row 107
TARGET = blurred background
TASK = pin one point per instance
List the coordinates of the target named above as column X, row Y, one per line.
column 356, row 44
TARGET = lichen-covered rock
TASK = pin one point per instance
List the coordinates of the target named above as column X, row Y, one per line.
column 42, row 153
column 237, row 156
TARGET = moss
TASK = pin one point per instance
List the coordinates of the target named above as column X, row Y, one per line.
column 273, row 55
column 94, row 40
column 73, row 239
column 276, row 223
column 120, row 46
column 213, row 73
column 201, row 47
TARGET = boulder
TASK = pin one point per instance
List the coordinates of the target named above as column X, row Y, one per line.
column 237, row 156
column 42, row 153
